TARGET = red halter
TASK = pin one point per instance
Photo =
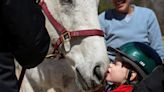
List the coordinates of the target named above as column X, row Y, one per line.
column 64, row 33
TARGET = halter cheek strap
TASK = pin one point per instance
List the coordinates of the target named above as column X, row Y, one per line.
column 65, row 35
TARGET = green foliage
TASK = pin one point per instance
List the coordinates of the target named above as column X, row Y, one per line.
column 104, row 5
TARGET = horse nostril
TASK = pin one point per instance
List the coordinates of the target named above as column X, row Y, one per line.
column 97, row 72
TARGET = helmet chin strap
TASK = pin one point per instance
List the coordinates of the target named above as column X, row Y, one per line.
column 127, row 81
column 129, row 75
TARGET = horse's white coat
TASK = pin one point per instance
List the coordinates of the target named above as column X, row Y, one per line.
column 85, row 54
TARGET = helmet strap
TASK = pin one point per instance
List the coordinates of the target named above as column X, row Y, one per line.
column 129, row 76
column 127, row 81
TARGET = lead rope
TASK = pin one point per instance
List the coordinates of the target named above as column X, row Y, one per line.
column 21, row 78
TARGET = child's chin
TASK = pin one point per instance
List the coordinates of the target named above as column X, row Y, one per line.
column 108, row 79
column 121, row 9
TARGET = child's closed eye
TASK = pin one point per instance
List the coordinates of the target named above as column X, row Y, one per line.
column 118, row 63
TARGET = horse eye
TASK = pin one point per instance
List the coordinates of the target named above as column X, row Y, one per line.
column 63, row 2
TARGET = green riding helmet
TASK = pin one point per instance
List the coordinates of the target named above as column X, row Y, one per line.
column 140, row 56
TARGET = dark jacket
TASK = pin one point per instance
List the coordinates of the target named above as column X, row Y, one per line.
column 22, row 36
column 23, row 32
column 153, row 83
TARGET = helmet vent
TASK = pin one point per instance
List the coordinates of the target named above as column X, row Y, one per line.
column 142, row 63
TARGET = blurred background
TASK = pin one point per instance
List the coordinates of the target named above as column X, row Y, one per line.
column 156, row 5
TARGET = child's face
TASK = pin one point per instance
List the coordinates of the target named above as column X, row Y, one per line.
column 121, row 6
column 117, row 73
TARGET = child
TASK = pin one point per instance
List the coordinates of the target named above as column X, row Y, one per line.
column 134, row 61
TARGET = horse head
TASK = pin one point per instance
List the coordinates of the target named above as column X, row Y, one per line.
column 86, row 53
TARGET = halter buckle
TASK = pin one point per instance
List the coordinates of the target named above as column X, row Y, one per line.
column 66, row 36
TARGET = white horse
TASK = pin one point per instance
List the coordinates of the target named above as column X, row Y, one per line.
column 84, row 62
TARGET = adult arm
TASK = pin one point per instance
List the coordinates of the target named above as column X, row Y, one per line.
column 153, row 83
column 155, row 36
column 27, row 36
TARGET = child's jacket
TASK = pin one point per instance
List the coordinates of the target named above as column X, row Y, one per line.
column 123, row 88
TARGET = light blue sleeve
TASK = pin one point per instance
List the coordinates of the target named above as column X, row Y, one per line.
column 155, row 36
column 101, row 20
column 103, row 24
